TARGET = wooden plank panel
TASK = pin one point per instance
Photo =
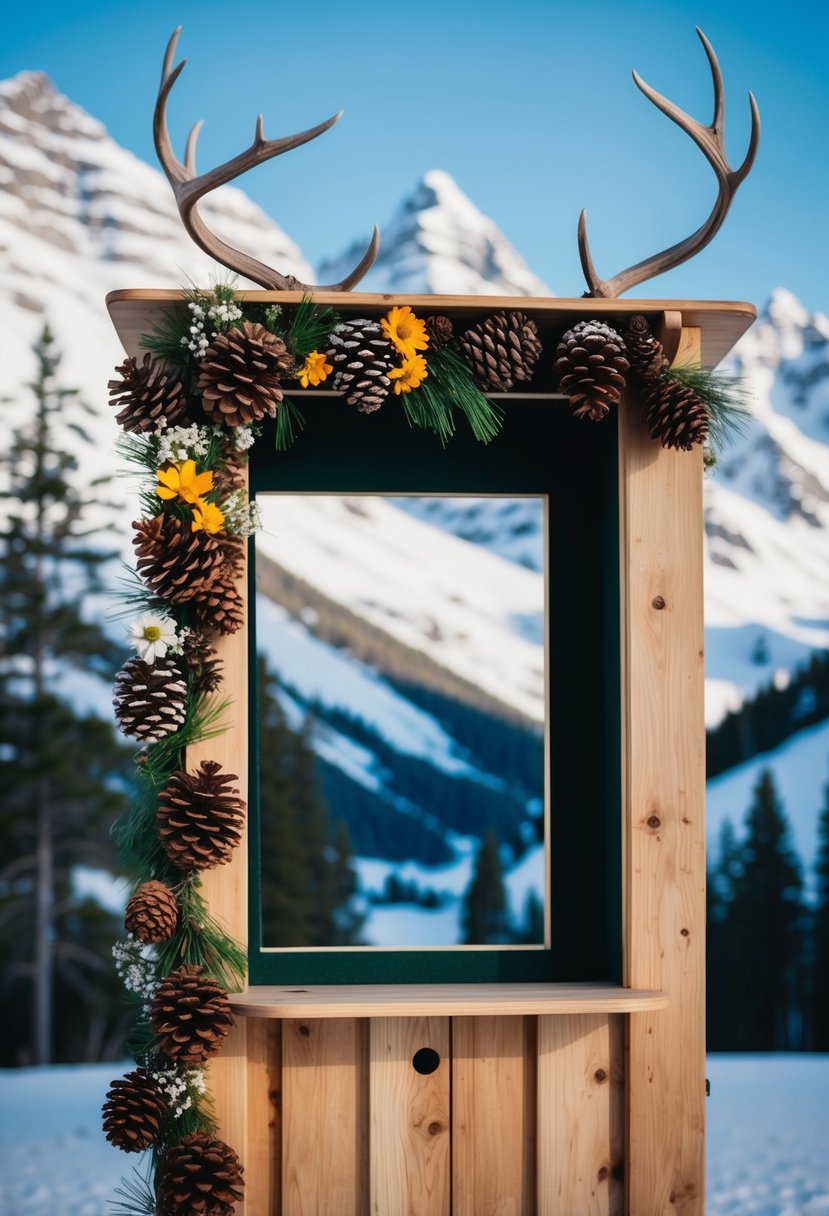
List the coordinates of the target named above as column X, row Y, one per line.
column 493, row 1119
column 664, row 799
column 581, row 1116
column 263, row 1162
column 409, row 1138
column 324, row 1117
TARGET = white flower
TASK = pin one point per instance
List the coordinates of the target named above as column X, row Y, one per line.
column 152, row 636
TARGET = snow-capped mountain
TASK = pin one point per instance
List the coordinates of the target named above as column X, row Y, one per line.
column 439, row 242
column 80, row 216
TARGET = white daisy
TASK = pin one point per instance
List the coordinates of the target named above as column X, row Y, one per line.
column 153, row 636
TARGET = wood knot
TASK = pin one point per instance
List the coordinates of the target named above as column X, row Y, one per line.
column 435, row 1129
column 304, row 1030
column 603, row 1173
column 600, row 1075
column 654, row 822
column 658, row 602
column 684, row 932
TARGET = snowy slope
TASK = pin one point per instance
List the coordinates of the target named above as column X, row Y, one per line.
column 79, row 217
column 438, row 241
column 468, row 609
column 767, row 1117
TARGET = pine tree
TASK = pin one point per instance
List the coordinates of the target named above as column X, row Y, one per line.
column 484, row 917
column 761, row 938
column 820, row 971
column 56, row 767
column 307, row 879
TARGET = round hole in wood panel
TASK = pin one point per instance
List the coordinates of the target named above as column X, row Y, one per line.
column 425, row 1061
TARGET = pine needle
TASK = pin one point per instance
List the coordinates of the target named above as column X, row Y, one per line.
column 289, row 420
column 450, row 380
column 726, row 397
column 137, row 1196
column 165, row 339
column 309, row 328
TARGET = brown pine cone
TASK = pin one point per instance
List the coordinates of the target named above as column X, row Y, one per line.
column 201, row 1176
column 177, row 564
column 152, row 913
column 241, row 375
column 200, row 817
column 501, row 349
column 150, row 699
column 203, row 666
column 133, row 1111
column 145, row 394
column 591, row 366
column 232, row 474
column 644, row 351
column 362, row 358
column 676, row 415
column 190, row 1016
column 440, row 330
column 222, row 608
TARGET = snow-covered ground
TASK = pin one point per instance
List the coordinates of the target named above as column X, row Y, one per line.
column 768, row 1131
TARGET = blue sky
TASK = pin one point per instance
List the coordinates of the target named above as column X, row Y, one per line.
column 529, row 105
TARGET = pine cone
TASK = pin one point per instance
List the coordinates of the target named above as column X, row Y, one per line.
column 362, row 359
column 150, row 699
column 152, row 913
column 145, row 394
column 204, row 668
column 177, row 564
column 200, row 817
column 241, row 375
column 501, row 349
column 591, row 366
column 201, row 1176
column 232, row 473
column 644, row 351
column 133, row 1111
column 190, row 1015
column 676, row 415
column 440, row 330
column 222, row 608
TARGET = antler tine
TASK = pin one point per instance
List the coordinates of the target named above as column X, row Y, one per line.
column 189, row 188
column 711, row 142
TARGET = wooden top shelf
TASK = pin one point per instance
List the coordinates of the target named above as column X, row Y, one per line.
column 722, row 322
column 438, row 1000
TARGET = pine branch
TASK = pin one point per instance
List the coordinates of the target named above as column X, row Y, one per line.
column 726, row 397
column 289, row 418
column 309, row 328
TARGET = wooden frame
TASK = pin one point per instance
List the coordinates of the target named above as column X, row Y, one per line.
column 554, row 1099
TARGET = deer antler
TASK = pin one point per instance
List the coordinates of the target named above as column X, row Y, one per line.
column 711, row 141
column 189, row 188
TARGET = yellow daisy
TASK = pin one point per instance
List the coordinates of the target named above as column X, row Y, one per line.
column 410, row 375
column 182, row 481
column 207, row 518
column 405, row 330
column 314, row 370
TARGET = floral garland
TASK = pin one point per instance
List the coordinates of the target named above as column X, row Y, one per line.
column 214, row 371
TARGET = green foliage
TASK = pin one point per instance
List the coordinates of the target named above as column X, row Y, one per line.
column 448, row 386
column 307, row 882
column 165, row 338
column 309, row 328
column 771, row 716
column 63, row 773
column 726, row 397
column 757, row 922
column 484, row 917
column 820, row 962
column 289, row 421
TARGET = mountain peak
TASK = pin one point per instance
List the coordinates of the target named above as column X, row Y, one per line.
column 439, row 242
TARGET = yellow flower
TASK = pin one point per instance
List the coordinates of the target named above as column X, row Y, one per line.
column 182, row 481
column 206, row 517
column 410, row 375
column 314, row 370
column 405, row 330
